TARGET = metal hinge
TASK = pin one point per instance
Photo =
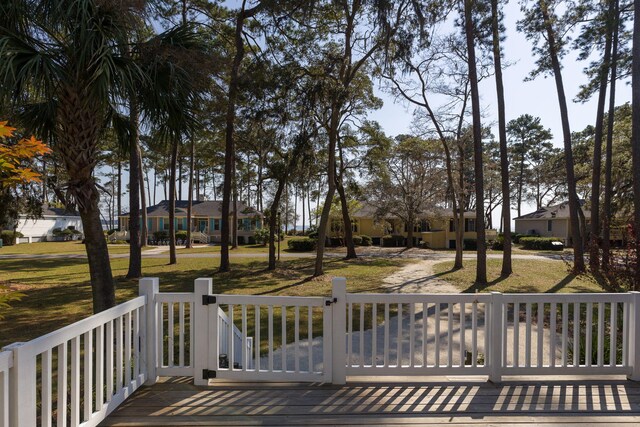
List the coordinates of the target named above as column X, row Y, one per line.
column 208, row 299
column 330, row 301
column 208, row 374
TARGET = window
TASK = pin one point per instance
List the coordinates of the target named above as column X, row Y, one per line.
column 354, row 226
column 216, row 225
column 336, row 225
column 180, row 224
column 469, row 224
column 452, row 225
column 166, row 224
column 549, row 225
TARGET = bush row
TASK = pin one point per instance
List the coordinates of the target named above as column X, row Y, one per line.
column 540, row 243
column 302, row 244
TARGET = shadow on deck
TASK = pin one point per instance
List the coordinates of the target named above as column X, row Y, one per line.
column 176, row 402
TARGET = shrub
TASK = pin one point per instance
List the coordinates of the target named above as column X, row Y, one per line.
column 357, row 240
column 181, row 235
column 335, row 241
column 9, row 238
column 366, row 240
column 302, row 244
column 470, row 244
column 540, row 243
column 161, row 235
column 261, row 235
column 498, row 244
column 313, row 234
column 392, row 241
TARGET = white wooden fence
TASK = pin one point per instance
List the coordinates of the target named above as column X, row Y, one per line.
column 77, row 375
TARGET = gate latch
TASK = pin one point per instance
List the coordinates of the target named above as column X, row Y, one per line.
column 330, row 301
column 208, row 374
column 208, row 299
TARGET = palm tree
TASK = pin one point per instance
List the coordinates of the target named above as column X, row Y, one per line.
column 64, row 66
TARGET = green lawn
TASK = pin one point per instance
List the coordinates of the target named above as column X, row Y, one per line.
column 45, row 248
column 57, row 291
column 528, row 276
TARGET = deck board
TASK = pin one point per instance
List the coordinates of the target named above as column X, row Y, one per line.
column 176, row 402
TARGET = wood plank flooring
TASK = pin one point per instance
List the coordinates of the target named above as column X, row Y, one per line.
column 176, row 402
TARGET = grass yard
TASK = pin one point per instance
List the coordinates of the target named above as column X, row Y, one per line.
column 57, row 291
column 46, row 248
column 528, row 276
column 215, row 248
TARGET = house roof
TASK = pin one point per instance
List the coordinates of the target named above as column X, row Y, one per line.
column 560, row 211
column 48, row 210
column 368, row 211
column 208, row 208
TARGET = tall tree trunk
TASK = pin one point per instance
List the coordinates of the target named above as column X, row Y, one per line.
column 410, row 224
column 331, row 188
column 481, row 264
column 635, row 136
column 135, row 251
column 229, row 153
column 578, row 247
column 190, row 206
column 608, row 166
column 119, row 193
column 273, row 223
column 502, row 133
column 303, row 211
column 461, row 208
column 346, row 220
column 234, row 222
column 594, row 241
column 180, row 176
column 144, row 229
column 173, row 259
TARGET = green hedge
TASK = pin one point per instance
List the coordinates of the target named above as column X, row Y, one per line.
column 302, row 244
column 470, row 244
column 357, row 240
column 498, row 244
column 366, row 240
column 392, row 241
column 540, row 243
column 8, row 237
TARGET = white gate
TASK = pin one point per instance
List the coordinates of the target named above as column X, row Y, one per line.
column 269, row 338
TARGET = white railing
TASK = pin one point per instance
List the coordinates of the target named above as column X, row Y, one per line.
column 93, row 365
column 404, row 334
column 78, row 374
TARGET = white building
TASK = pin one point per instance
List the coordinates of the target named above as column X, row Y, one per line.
column 37, row 230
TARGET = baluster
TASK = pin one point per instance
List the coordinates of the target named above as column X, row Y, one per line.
column 296, row 331
column 88, row 377
column 245, row 355
column 283, row 314
column 350, row 334
column 463, row 316
column 270, row 329
column 61, row 404
column 361, row 340
column 449, row 335
column 257, row 343
column 99, row 367
column 527, row 355
column 553, row 334
column 75, row 381
column 127, row 349
column 170, row 333
column 437, row 334
column 425, row 332
column 374, row 334
column 119, row 338
column 386, row 335
column 540, row 328
column 231, row 340
column 399, row 337
column 181, row 334
column 576, row 334
column 109, row 361
column 47, row 376
column 474, row 334
column 412, row 319
column 600, row 334
column 613, row 331
column 589, row 337
column 516, row 334
column 310, row 336
column 565, row 332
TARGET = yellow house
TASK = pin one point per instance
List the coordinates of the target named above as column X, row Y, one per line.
column 436, row 230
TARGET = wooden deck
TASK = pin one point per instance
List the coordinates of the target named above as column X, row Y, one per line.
column 458, row 401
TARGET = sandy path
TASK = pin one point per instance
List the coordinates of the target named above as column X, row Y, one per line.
column 418, row 277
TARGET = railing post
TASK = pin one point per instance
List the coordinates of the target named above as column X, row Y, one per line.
column 339, row 328
column 495, row 332
column 203, row 336
column 149, row 287
column 634, row 336
column 22, row 386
